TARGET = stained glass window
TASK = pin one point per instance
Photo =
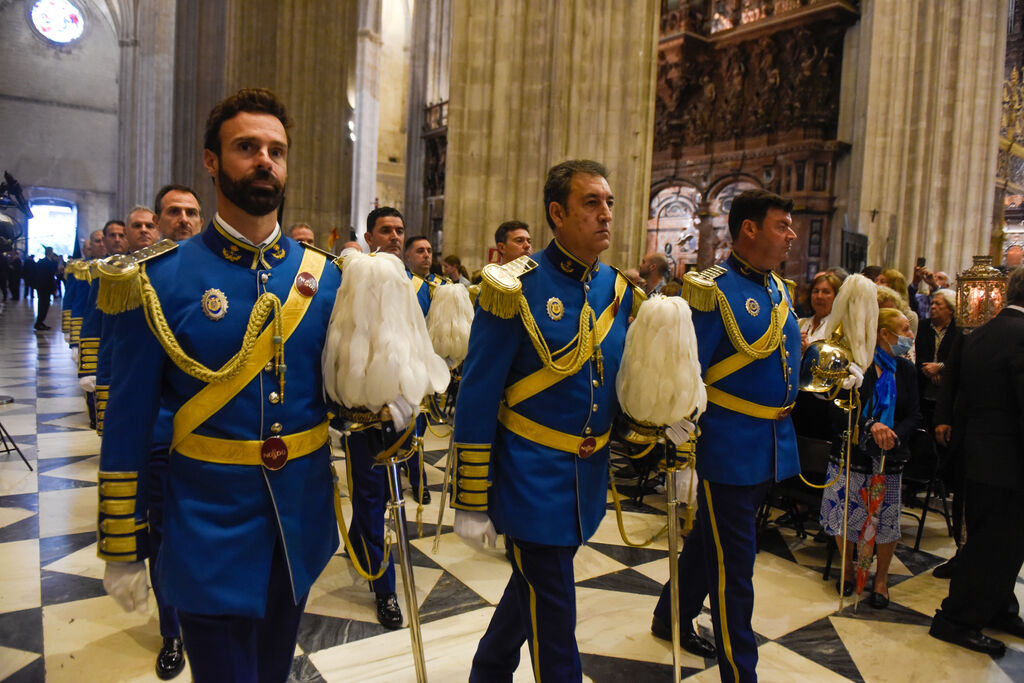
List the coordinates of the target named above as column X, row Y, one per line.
column 58, row 21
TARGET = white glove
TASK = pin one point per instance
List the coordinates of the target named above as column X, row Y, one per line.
column 126, row 583
column 88, row 383
column 854, row 379
column 402, row 412
column 475, row 529
column 679, row 432
column 67, row 337
column 74, row 355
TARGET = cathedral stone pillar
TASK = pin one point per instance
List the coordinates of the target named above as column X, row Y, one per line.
column 535, row 83
column 367, row 113
column 921, row 104
column 146, row 96
column 303, row 50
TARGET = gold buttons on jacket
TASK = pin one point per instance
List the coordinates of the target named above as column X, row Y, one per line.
column 264, row 277
column 274, row 397
column 269, row 367
column 276, row 428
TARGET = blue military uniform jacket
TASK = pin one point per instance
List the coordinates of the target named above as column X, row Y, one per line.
column 748, row 340
column 424, row 288
column 531, row 447
column 225, row 512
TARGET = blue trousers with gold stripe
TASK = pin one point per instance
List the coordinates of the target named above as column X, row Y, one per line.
column 370, row 496
column 718, row 559
column 538, row 607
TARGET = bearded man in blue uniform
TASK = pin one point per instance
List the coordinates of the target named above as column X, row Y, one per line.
column 230, row 315
column 748, row 340
column 535, row 411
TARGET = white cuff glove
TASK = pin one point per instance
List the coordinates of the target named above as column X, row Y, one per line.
column 74, row 355
column 88, row 383
column 67, row 337
column 854, row 379
column 475, row 529
column 126, row 583
column 679, row 432
column 402, row 412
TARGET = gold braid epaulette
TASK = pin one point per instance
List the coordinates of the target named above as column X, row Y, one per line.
column 700, row 290
column 791, row 287
column 120, row 281
column 638, row 294
column 331, row 258
column 500, row 288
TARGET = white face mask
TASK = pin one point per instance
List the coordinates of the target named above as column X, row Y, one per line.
column 902, row 346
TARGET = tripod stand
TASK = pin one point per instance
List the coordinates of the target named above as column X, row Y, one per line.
column 7, row 443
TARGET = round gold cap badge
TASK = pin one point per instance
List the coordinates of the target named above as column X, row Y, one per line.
column 215, row 304
column 753, row 308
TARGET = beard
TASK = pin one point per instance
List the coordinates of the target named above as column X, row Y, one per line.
column 255, row 201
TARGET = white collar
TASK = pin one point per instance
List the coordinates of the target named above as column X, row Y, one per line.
column 239, row 236
column 1016, row 307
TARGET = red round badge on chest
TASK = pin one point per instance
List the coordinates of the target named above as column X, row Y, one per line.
column 274, row 453
column 587, row 447
column 306, row 284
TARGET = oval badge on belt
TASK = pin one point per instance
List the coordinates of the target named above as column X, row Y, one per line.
column 306, row 284
column 274, row 453
column 587, row 447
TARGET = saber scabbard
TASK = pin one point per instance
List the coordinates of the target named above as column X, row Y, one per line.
column 391, row 457
column 673, row 551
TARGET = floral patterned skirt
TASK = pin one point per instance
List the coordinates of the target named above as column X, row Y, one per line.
column 834, row 499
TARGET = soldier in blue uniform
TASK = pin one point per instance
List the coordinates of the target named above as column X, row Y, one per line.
column 535, row 410
column 234, row 327
column 748, row 340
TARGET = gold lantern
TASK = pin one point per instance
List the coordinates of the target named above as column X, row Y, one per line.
column 980, row 293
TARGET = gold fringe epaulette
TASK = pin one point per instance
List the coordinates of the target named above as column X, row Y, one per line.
column 121, row 277
column 500, row 287
column 638, row 294
column 700, row 290
column 791, row 286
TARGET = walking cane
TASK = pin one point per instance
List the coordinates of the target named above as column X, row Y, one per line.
column 673, row 551
column 391, row 457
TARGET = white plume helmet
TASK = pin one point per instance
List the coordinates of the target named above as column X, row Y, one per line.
column 449, row 321
column 659, row 379
column 377, row 343
column 856, row 309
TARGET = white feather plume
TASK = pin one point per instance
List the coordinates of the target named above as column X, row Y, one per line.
column 856, row 309
column 377, row 343
column 659, row 379
column 448, row 323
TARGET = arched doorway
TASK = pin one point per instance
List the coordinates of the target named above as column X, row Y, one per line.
column 672, row 226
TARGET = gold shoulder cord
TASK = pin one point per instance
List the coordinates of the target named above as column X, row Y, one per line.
column 732, row 328
column 587, row 345
column 265, row 305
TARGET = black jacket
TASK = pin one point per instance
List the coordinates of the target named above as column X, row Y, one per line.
column 983, row 399
column 924, row 347
column 907, row 416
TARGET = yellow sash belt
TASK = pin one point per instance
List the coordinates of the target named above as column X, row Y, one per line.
column 234, row 452
column 545, row 436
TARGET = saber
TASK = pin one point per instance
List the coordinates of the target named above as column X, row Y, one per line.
column 391, row 458
column 453, row 390
column 673, row 552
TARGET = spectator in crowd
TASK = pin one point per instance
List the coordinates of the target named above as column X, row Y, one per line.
column 633, row 275
column 934, row 342
column 454, row 270
column 872, row 273
column 654, row 271
column 301, row 232
column 824, row 288
column 28, row 275
column 839, row 272
column 14, row 273
column 890, row 415
column 44, row 281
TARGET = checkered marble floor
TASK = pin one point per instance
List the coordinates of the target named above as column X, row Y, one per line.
column 56, row 623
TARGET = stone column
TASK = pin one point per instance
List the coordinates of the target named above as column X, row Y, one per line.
column 303, row 50
column 920, row 105
column 366, row 114
column 534, row 83
column 146, row 96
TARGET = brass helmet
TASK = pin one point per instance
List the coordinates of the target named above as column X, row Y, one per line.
column 825, row 364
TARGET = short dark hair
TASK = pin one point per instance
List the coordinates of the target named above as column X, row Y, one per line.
column 113, row 221
column 754, row 205
column 501, row 234
column 170, row 187
column 382, row 212
column 300, row 224
column 1015, row 287
column 559, row 182
column 252, row 100
column 412, row 239
column 871, row 272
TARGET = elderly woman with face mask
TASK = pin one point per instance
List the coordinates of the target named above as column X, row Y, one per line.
column 889, row 416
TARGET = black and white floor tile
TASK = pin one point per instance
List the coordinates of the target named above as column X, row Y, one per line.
column 56, row 624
